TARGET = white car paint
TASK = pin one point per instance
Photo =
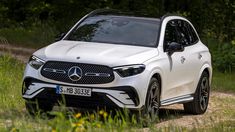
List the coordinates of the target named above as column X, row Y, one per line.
column 97, row 53
column 178, row 79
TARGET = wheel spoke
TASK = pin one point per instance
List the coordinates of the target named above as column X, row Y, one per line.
column 151, row 94
column 203, row 103
column 204, row 93
column 149, row 109
column 202, row 86
column 155, row 93
column 155, row 104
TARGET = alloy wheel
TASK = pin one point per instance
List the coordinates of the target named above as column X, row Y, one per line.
column 153, row 101
column 204, row 93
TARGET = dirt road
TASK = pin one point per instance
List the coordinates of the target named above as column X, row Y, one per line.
column 221, row 106
column 20, row 53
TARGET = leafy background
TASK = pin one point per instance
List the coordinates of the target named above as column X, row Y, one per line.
column 35, row 23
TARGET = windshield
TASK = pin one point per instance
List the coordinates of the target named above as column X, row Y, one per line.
column 117, row 30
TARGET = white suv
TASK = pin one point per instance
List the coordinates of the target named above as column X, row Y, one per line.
column 114, row 60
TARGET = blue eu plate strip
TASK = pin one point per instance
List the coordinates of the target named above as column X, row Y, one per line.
column 57, row 89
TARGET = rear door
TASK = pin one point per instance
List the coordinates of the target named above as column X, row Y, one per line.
column 183, row 66
column 193, row 54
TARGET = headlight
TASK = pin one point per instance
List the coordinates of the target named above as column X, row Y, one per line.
column 36, row 62
column 126, row 71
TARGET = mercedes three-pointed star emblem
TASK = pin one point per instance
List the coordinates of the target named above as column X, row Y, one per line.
column 75, row 73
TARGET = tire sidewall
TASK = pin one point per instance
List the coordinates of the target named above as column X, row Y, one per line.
column 198, row 94
column 153, row 80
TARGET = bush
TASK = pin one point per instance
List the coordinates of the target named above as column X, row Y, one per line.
column 224, row 58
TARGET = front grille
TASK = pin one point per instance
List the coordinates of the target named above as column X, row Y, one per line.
column 86, row 68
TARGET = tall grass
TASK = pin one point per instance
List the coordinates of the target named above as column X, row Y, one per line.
column 224, row 82
column 35, row 36
column 11, row 72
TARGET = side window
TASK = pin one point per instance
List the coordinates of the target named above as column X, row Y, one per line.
column 179, row 31
column 171, row 33
column 187, row 34
column 183, row 33
column 192, row 33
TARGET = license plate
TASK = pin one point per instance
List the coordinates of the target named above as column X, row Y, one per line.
column 73, row 91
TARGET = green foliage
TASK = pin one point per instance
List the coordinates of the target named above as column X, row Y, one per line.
column 223, row 55
column 212, row 18
column 11, row 72
column 26, row 22
column 223, row 81
column 37, row 36
column 224, row 58
column 96, row 121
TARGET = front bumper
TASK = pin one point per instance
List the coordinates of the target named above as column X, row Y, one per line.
column 113, row 97
column 129, row 92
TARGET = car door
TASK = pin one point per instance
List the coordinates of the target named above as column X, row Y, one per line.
column 179, row 75
column 193, row 55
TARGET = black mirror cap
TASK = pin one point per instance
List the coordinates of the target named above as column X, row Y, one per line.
column 59, row 37
column 174, row 47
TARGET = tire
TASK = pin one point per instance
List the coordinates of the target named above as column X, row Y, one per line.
column 38, row 107
column 201, row 97
column 152, row 103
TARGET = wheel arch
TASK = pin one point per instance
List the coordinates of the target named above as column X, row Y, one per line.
column 159, row 78
column 208, row 69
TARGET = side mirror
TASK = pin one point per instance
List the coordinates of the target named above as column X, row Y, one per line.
column 59, row 37
column 174, row 47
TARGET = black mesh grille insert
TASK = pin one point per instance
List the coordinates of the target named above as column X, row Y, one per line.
column 86, row 68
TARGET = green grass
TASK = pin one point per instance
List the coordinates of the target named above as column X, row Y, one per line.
column 13, row 115
column 34, row 37
column 11, row 72
column 224, row 82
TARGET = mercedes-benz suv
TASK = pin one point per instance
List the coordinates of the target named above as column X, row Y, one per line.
column 115, row 60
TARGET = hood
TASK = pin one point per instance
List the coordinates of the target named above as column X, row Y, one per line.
column 96, row 53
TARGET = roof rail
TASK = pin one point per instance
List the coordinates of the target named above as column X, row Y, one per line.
column 106, row 11
column 100, row 11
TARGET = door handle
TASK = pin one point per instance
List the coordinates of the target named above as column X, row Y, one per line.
column 199, row 56
column 182, row 59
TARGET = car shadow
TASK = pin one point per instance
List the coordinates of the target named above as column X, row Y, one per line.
column 166, row 114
